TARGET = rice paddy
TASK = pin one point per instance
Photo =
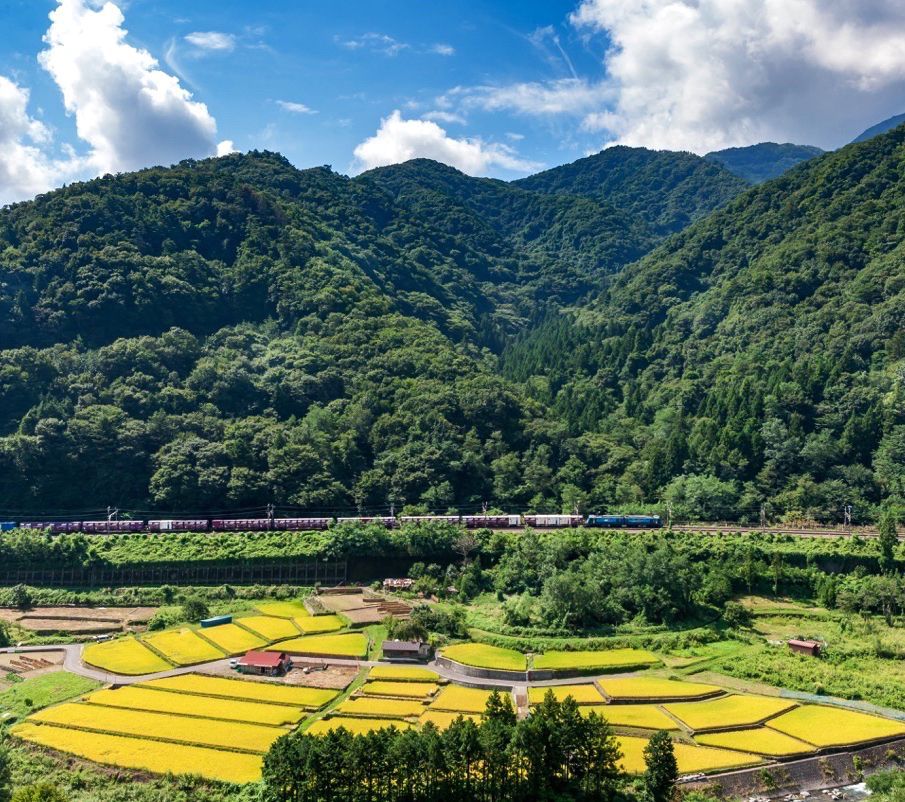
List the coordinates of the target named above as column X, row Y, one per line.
column 729, row 711
column 442, row 719
column 761, row 741
column 159, row 701
column 176, row 728
column 140, row 754
column 480, row 655
column 232, row 639
column 413, row 690
column 833, row 726
column 283, row 609
column 315, row 624
column 124, row 656
column 691, row 759
column 183, row 647
column 377, row 707
column 269, row 628
column 458, row 699
column 654, row 688
column 294, row 695
column 606, row 660
column 351, row 645
column 645, row 717
column 357, row 726
column 403, row 674
column 582, row 694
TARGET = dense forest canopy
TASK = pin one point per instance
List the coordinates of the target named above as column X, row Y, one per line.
column 235, row 331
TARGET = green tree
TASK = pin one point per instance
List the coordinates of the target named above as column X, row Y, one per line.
column 6, row 779
column 888, row 537
column 40, row 792
column 194, row 609
column 661, row 770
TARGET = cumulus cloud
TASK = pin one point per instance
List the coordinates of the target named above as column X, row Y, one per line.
column 398, row 140
column 25, row 167
column 706, row 74
column 131, row 113
column 563, row 96
column 295, row 108
column 211, row 40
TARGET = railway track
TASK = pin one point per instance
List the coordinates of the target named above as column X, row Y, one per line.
column 744, row 530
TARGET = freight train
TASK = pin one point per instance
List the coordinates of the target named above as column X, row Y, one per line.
column 308, row 524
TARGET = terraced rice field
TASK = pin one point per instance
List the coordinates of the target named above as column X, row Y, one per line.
column 833, row 726
column 761, row 741
column 691, row 759
column 181, row 729
column 159, row 701
column 124, row 656
column 403, row 674
column 357, row 726
column 270, row 628
column 412, row 690
column 653, row 688
column 351, row 645
column 646, row 717
column 183, row 647
column 153, row 756
column 442, row 720
column 282, row 609
column 480, row 655
column 606, row 660
column 232, row 639
column 583, row 694
column 729, row 711
column 293, row 695
column 377, row 707
column 314, row 624
column 458, row 699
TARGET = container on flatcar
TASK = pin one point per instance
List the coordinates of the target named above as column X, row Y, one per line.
column 300, row 524
column 198, row 525
column 384, row 520
column 240, row 524
column 103, row 527
column 553, row 521
column 429, row 519
column 492, row 521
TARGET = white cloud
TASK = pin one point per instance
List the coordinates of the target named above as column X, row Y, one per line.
column 130, row 112
column 212, row 40
column 377, row 43
column 25, row 167
column 443, row 49
column 398, row 140
column 707, row 74
column 564, row 96
column 226, row 147
column 295, row 108
column 444, row 117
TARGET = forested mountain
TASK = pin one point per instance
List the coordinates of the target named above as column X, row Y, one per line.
column 235, row 331
column 756, row 358
column 666, row 189
column 761, row 162
column 880, row 128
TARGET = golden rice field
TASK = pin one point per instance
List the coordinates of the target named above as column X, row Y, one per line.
column 377, row 707
column 761, row 741
column 282, row 609
column 314, row 624
column 646, row 717
column 232, row 639
column 294, row 695
column 403, row 674
column 833, row 726
column 480, row 655
column 270, row 628
column 442, row 719
column 604, row 660
column 124, row 656
column 583, row 694
column 458, row 699
column 691, row 759
column 357, row 726
column 655, row 688
column 159, row 701
column 139, row 754
column 351, row 645
column 413, row 690
column 183, row 647
column 181, row 729
column 736, row 710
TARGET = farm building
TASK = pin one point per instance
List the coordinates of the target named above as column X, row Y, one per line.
column 272, row 664
column 398, row 584
column 808, row 647
column 406, row 650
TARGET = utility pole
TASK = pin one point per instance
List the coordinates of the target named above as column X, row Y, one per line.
column 392, row 509
column 668, row 514
column 484, row 507
column 763, row 516
column 270, row 512
column 847, row 516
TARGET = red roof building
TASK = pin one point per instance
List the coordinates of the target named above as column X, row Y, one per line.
column 271, row 664
column 808, row 647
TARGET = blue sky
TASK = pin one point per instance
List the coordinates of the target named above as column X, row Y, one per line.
column 494, row 88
